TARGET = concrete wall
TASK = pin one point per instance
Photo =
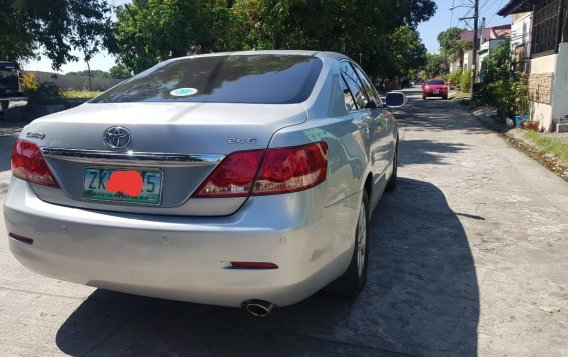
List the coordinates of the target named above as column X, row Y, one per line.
column 541, row 111
column 467, row 57
column 549, row 114
column 76, row 82
column 560, row 86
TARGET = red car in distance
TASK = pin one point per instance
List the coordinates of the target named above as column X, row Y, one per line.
column 435, row 88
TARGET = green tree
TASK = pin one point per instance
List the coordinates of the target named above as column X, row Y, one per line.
column 150, row 31
column 52, row 28
column 119, row 71
column 407, row 51
column 452, row 48
column 497, row 63
column 359, row 29
column 434, row 65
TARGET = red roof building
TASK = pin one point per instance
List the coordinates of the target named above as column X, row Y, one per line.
column 491, row 33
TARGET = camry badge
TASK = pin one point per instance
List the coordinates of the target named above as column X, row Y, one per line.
column 35, row 135
column 116, row 137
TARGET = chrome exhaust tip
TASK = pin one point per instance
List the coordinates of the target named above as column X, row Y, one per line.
column 258, row 308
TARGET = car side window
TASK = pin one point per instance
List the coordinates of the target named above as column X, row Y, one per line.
column 354, row 84
column 371, row 92
column 347, row 96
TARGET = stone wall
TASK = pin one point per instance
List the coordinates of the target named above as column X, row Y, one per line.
column 540, row 87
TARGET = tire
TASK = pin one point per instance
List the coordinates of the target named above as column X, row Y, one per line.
column 423, row 97
column 352, row 282
column 391, row 184
column 445, row 97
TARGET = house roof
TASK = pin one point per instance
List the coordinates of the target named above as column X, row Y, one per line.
column 515, row 7
column 491, row 33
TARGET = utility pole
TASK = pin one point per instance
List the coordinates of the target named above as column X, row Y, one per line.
column 475, row 47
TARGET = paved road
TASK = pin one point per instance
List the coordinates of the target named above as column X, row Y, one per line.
column 469, row 256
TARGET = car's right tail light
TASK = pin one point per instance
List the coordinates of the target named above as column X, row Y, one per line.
column 28, row 164
column 267, row 172
column 291, row 169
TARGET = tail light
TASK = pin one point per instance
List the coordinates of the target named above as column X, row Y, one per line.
column 233, row 177
column 28, row 164
column 281, row 170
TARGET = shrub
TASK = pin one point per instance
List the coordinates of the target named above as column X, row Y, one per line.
column 520, row 96
column 30, row 83
column 455, row 79
column 465, row 81
column 496, row 64
column 46, row 93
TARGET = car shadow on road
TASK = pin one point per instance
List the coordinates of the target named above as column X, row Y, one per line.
column 418, row 152
column 421, row 299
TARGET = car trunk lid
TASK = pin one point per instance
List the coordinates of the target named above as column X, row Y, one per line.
column 180, row 142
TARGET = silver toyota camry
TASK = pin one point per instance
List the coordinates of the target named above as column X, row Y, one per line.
column 236, row 179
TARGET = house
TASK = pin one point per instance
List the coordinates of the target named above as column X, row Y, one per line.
column 491, row 39
column 489, row 33
column 546, row 54
column 521, row 42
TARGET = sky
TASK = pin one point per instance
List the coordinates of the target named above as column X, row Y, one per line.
column 442, row 20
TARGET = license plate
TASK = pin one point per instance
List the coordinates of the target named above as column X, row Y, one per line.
column 436, row 91
column 123, row 185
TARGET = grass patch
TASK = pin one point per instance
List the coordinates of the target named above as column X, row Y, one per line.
column 549, row 145
column 80, row 94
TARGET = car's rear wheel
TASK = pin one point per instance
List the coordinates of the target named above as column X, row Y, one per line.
column 423, row 97
column 354, row 279
column 445, row 97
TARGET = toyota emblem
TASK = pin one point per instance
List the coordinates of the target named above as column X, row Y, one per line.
column 116, row 137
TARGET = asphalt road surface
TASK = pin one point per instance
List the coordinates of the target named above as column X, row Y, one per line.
column 468, row 257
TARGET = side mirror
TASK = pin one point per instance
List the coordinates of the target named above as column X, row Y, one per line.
column 396, row 99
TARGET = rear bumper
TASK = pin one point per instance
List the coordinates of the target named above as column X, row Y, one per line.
column 180, row 258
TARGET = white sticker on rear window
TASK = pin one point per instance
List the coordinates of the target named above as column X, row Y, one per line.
column 183, row 92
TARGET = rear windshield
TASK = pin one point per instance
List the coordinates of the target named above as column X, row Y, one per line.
column 266, row 79
column 436, row 82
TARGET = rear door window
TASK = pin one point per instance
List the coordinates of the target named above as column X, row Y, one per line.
column 371, row 92
column 354, row 84
column 347, row 96
column 262, row 78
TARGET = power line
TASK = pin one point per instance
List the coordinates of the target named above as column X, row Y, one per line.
column 452, row 16
column 492, row 17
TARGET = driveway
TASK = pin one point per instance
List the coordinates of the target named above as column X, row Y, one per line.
column 468, row 256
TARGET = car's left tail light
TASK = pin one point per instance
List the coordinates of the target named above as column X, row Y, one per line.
column 28, row 164
column 267, row 172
